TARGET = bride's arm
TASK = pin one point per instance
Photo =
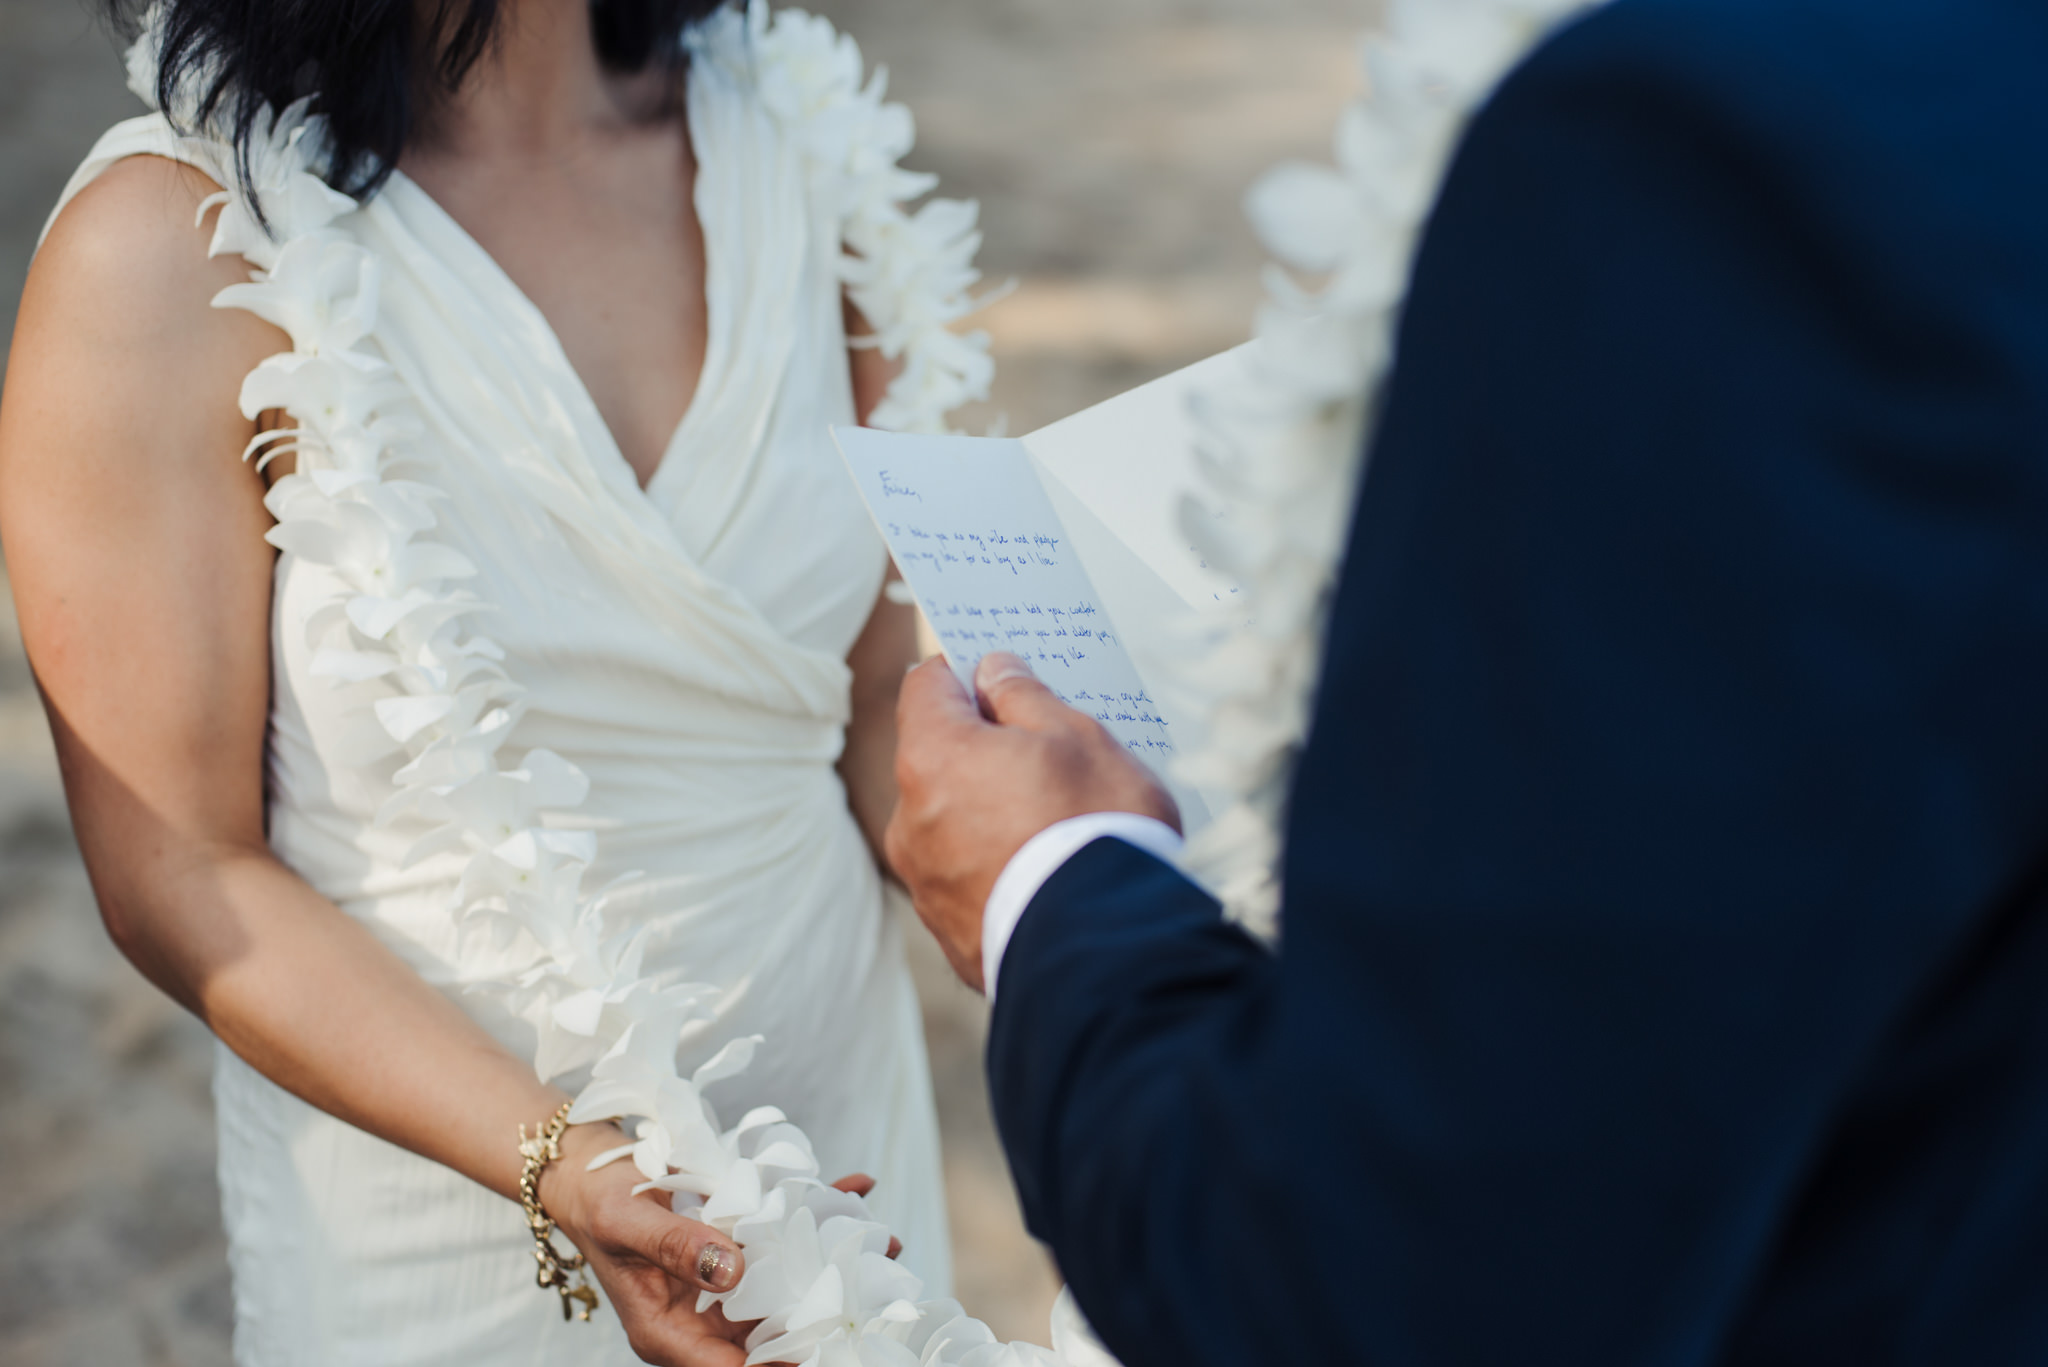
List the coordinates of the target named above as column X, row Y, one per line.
column 885, row 651
column 134, row 538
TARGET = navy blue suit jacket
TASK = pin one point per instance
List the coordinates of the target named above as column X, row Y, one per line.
column 1665, row 976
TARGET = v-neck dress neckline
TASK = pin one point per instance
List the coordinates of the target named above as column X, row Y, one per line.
column 690, row 543
column 573, row 384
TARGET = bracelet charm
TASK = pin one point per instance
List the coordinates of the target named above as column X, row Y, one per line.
column 570, row 1276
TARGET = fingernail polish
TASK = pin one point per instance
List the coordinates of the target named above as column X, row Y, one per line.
column 718, row 1267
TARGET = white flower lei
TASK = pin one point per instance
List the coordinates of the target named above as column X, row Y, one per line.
column 817, row 1278
column 1282, row 446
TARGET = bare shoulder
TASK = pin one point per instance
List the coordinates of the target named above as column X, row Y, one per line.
column 119, row 356
column 125, row 265
column 120, row 426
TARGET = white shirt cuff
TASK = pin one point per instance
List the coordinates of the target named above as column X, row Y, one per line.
column 1041, row 858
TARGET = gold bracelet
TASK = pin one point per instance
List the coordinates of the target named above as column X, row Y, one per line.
column 544, row 1148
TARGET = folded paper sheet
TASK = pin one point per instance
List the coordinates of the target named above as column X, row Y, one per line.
column 994, row 568
column 1063, row 547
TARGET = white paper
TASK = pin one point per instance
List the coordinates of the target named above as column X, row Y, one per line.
column 1064, row 547
column 1131, row 461
column 994, row 568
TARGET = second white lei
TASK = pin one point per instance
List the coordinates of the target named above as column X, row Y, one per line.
column 1284, row 446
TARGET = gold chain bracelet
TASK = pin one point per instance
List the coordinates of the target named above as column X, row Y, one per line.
column 569, row 1275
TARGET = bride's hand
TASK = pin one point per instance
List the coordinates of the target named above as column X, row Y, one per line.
column 650, row 1262
column 860, row 1184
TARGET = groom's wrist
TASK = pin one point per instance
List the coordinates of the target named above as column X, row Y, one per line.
column 1042, row 856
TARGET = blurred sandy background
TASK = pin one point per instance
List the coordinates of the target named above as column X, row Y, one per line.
column 1109, row 142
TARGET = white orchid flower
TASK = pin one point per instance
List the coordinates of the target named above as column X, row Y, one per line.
column 532, row 876
column 283, row 154
column 392, row 575
column 455, row 785
column 637, row 1078
column 338, row 401
column 495, row 806
column 573, row 1028
column 825, row 1277
column 322, row 292
column 807, row 68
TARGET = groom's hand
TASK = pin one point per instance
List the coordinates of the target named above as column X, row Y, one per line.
column 977, row 782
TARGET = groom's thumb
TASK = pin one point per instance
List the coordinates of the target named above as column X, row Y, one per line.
column 1012, row 695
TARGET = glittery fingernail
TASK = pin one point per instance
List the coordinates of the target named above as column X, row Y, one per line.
column 718, row 1267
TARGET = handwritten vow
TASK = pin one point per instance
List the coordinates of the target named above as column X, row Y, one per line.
column 1068, row 547
column 994, row 568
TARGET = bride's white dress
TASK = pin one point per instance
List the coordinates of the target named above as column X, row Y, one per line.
column 683, row 647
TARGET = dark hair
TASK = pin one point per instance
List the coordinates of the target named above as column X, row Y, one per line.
column 368, row 64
